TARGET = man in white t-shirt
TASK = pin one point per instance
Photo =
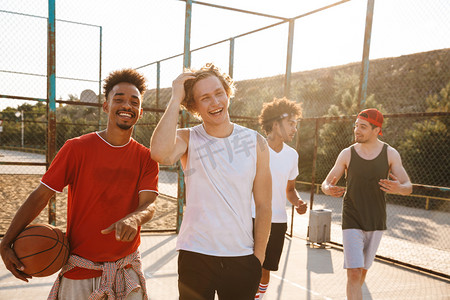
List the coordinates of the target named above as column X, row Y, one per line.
column 279, row 121
column 224, row 165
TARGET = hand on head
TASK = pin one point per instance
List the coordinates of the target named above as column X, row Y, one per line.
column 178, row 91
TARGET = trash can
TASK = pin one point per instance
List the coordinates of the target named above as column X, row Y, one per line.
column 319, row 225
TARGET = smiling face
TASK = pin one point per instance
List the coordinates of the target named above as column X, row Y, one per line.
column 211, row 100
column 364, row 132
column 123, row 106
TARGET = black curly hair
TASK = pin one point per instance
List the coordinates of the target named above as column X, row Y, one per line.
column 276, row 110
column 125, row 75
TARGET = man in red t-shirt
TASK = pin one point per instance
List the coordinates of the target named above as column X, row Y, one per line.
column 112, row 189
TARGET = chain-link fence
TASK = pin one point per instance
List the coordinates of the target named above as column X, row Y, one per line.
column 412, row 90
column 417, row 224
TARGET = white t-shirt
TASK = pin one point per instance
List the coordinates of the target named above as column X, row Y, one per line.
column 283, row 167
column 219, row 175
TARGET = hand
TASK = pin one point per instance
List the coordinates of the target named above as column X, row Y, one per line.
column 260, row 257
column 13, row 264
column 178, row 85
column 126, row 229
column 301, row 207
column 390, row 186
column 332, row 190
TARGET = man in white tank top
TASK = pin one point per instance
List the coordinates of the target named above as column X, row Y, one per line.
column 279, row 121
column 224, row 165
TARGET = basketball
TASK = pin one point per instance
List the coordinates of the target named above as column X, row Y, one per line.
column 43, row 249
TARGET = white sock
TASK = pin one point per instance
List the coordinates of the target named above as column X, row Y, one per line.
column 262, row 290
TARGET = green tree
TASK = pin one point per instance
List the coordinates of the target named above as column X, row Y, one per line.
column 334, row 136
column 33, row 124
column 309, row 92
column 425, row 145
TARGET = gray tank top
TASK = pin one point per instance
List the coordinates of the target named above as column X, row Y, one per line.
column 364, row 205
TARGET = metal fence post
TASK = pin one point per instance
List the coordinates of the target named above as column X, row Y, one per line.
column 290, row 48
column 51, row 100
column 100, row 82
column 158, row 82
column 186, row 64
column 287, row 87
column 231, row 58
column 365, row 60
column 187, row 35
column 313, row 171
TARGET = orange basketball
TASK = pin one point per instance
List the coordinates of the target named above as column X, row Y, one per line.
column 42, row 248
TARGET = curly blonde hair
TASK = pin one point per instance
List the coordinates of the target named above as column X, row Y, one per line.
column 276, row 110
column 206, row 71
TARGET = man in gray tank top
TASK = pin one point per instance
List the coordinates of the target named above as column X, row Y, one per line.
column 372, row 168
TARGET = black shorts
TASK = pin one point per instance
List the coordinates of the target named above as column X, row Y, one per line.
column 275, row 246
column 234, row 278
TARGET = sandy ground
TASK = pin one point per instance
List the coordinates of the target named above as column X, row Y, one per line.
column 14, row 189
column 415, row 236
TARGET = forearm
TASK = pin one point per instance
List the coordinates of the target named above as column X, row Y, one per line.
column 325, row 187
column 127, row 227
column 405, row 188
column 29, row 210
column 163, row 140
column 143, row 214
column 331, row 189
column 263, row 219
column 293, row 197
column 262, row 194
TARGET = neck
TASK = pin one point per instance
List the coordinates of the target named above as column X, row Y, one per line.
column 116, row 136
column 370, row 145
column 275, row 142
column 219, row 130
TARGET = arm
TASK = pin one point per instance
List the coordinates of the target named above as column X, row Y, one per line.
column 328, row 185
column 127, row 227
column 29, row 210
column 400, row 183
column 262, row 193
column 167, row 143
column 293, row 197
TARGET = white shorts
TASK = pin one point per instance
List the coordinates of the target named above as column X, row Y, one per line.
column 360, row 247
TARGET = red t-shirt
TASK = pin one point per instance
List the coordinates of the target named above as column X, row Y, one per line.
column 104, row 184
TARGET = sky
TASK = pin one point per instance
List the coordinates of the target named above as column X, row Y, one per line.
column 139, row 32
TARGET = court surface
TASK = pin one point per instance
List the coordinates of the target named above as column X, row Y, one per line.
column 306, row 272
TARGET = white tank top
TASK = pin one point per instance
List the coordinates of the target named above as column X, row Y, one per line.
column 219, row 175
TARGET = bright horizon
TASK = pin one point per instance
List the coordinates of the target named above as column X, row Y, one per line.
column 141, row 32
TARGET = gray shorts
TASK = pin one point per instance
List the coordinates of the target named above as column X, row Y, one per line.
column 360, row 247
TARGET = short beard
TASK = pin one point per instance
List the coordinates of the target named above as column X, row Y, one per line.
column 361, row 141
column 124, row 126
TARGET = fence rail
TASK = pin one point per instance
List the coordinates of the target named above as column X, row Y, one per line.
column 427, row 198
column 411, row 90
